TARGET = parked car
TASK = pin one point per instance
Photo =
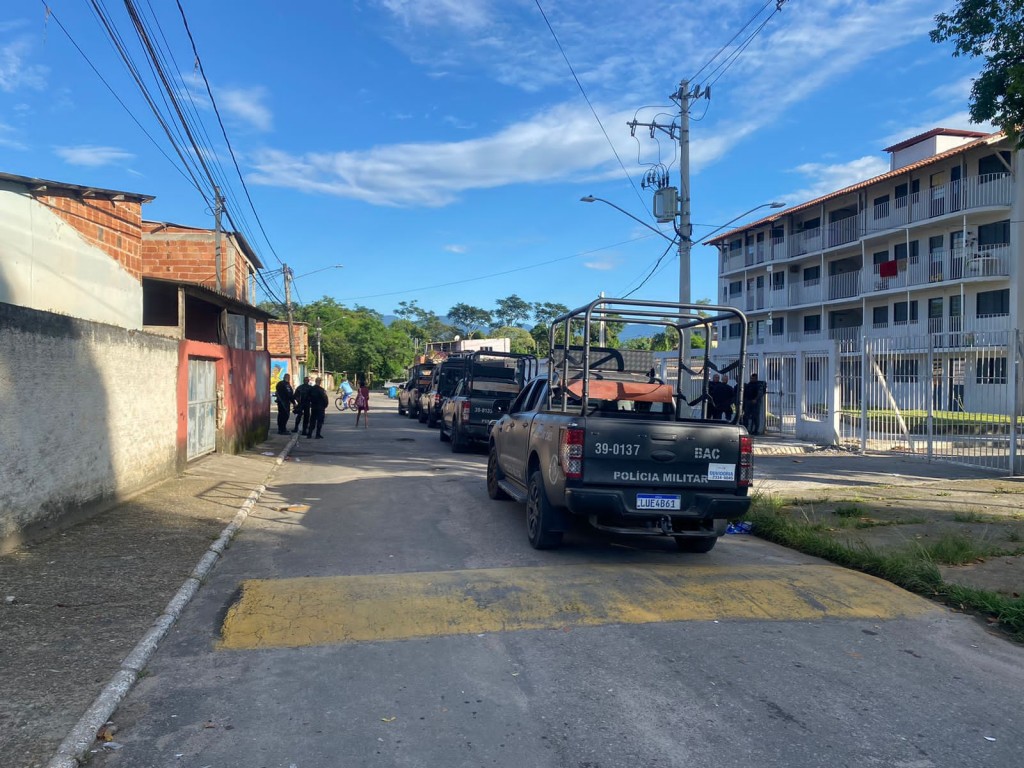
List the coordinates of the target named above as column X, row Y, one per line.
column 445, row 379
column 491, row 382
column 420, row 377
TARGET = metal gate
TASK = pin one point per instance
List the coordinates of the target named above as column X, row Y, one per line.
column 202, row 407
column 780, row 376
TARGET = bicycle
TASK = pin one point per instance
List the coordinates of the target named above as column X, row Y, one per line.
column 345, row 402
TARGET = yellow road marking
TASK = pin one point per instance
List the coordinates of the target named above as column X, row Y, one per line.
column 291, row 613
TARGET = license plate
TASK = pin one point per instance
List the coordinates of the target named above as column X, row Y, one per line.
column 657, row 501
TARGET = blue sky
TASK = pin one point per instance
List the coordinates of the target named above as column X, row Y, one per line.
column 430, row 145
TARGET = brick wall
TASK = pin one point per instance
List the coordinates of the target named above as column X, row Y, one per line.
column 97, row 419
column 277, row 339
column 173, row 252
column 112, row 225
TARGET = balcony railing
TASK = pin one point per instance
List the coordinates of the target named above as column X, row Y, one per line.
column 844, row 286
column 986, row 191
column 806, row 292
column 941, row 266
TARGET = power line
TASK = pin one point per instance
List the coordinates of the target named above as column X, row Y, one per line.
column 224, row 132
column 496, row 274
column 589, row 104
column 651, row 273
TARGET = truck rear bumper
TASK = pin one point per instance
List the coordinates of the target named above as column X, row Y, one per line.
column 616, row 503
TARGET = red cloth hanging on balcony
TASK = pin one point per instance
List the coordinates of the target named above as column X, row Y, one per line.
column 887, row 269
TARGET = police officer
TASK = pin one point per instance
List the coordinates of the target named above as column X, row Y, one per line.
column 302, row 407
column 318, row 401
column 285, row 397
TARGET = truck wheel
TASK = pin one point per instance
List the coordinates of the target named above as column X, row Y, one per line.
column 540, row 516
column 401, row 410
column 458, row 442
column 444, row 435
column 422, row 417
column 412, row 412
column 494, row 474
column 698, row 545
column 431, row 419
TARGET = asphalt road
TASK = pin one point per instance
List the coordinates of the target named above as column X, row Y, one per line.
column 378, row 609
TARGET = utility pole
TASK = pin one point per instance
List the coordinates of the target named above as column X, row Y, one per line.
column 683, row 226
column 217, row 209
column 319, row 348
column 288, row 308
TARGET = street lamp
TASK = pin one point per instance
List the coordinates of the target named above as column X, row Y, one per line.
column 773, row 204
column 592, row 199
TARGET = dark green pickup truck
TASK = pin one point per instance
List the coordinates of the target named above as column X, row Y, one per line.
column 602, row 437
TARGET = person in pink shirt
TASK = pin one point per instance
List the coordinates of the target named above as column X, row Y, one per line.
column 363, row 404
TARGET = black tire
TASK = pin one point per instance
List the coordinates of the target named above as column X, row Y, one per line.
column 459, row 445
column 494, row 474
column 444, row 435
column 698, row 545
column 339, row 404
column 421, row 417
column 413, row 411
column 541, row 516
column 431, row 419
column 401, row 410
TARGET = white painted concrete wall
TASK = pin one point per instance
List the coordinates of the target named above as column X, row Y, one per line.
column 96, row 422
column 46, row 264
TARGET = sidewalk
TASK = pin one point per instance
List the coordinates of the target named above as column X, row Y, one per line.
column 75, row 605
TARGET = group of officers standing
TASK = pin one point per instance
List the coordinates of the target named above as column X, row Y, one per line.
column 309, row 402
column 722, row 396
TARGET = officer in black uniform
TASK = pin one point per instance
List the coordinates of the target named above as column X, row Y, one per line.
column 318, row 401
column 285, row 397
column 302, row 407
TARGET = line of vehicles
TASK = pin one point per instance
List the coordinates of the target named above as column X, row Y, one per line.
column 596, row 433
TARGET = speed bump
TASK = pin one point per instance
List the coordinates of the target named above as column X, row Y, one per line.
column 291, row 613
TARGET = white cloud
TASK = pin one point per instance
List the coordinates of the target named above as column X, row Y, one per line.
column 15, row 72
column 826, row 178
column 92, row 156
column 561, row 143
column 453, row 248
column 7, row 138
column 246, row 104
column 602, row 265
column 468, row 15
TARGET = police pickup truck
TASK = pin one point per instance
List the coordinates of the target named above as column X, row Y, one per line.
column 601, row 436
column 490, row 383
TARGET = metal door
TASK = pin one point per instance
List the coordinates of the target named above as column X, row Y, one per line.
column 202, row 407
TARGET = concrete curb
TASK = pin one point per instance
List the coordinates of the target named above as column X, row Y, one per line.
column 72, row 750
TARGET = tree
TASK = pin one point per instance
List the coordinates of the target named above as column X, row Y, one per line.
column 467, row 318
column 544, row 313
column 993, row 29
column 521, row 342
column 511, row 310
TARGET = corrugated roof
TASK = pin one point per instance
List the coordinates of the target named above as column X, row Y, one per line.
column 41, row 186
column 210, row 295
column 989, row 138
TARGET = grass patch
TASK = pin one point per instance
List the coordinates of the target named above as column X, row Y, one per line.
column 915, row 567
column 847, row 510
column 970, row 517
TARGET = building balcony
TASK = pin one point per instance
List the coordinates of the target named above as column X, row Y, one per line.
column 941, row 266
column 844, row 286
column 988, row 191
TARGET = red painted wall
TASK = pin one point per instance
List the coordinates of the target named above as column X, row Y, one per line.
column 243, row 394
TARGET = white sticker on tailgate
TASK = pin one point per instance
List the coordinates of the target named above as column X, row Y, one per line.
column 726, row 472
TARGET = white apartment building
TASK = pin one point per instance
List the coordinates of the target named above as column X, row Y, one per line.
column 927, row 257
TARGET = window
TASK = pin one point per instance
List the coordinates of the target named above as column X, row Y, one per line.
column 778, row 326
column 991, row 370
column 900, row 251
column 997, row 233
column 993, row 303
column 735, row 245
column 810, row 224
column 812, row 323
column 905, row 371
column 879, row 257
column 881, row 205
column 990, row 166
column 735, row 330
column 778, row 280
column 736, row 288
column 935, row 308
column 880, row 317
column 812, row 274
column 902, row 312
column 901, row 192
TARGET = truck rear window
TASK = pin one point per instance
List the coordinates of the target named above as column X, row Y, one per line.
column 488, row 388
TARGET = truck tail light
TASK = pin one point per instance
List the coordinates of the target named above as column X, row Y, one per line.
column 746, row 477
column 465, row 411
column 570, row 452
column 437, row 399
